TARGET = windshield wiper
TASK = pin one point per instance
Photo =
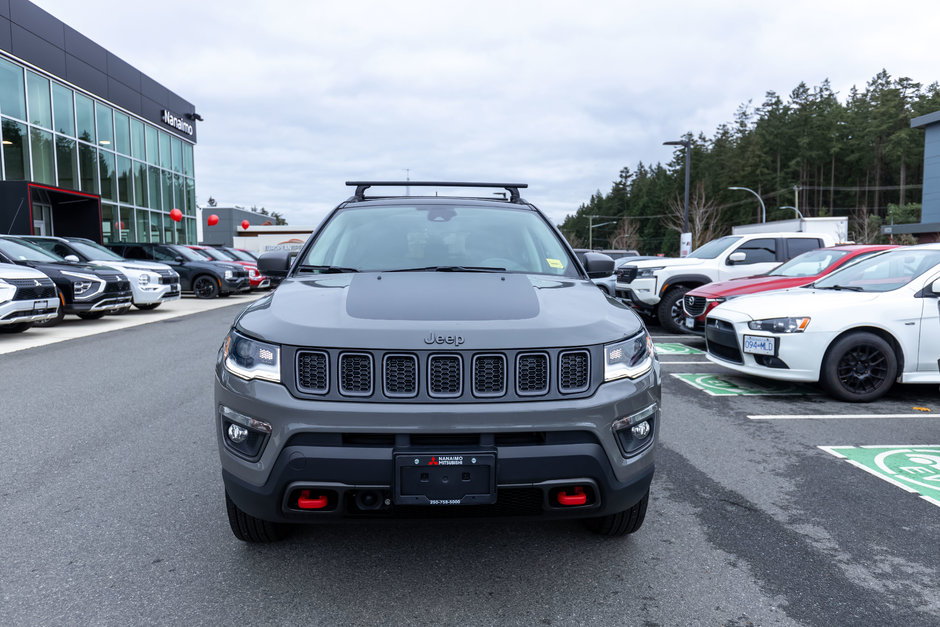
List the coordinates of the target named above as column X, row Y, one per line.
column 325, row 269
column 450, row 269
column 850, row 288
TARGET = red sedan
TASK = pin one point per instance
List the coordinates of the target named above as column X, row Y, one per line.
column 801, row 270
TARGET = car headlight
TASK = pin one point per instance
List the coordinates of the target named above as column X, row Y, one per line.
column 143, row 279
column 779, row 325
column 630, row 358
column 647, row 273
column 84, row 285
column 251, row 359
column 228, row 274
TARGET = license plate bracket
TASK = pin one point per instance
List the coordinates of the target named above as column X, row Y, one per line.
column 445, row 479
column 760, row 345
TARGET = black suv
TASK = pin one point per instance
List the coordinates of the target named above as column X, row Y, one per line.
column 205, row 279
column 436, row 356
column 84, row 290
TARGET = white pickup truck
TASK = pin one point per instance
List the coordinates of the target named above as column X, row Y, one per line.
column 656, row 286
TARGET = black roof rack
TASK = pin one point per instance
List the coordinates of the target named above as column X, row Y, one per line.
column 362, row 186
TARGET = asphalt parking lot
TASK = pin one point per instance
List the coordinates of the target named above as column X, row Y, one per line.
column 771, row 505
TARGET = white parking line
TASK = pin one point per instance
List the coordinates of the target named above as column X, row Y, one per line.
column 699, row 363
column 839, row 416
column 73, row 327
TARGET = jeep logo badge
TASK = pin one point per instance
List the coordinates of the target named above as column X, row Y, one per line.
column 433, row 338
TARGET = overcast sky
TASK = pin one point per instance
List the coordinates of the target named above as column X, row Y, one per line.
column 299, row 97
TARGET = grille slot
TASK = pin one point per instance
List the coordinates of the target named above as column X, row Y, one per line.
column 400, row 376
column 313, row 373
column 532, row 374
column 694, row 305
column 574, row 372
column 445, row 376
column 489, row 375
column 626, row 274
column 721, row 340
column 355, row 374
column 31, row 289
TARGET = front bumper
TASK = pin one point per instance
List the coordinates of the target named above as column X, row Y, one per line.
column 235, row 286
column 798, row 356
column 641, row 292
column 17, row 311
column 109, row 304
column 347, row 447
column 155, row 293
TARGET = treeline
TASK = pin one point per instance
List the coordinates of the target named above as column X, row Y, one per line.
column 858, row 158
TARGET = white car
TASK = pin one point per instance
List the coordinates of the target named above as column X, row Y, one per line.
column 27, row 296
column 856, row 331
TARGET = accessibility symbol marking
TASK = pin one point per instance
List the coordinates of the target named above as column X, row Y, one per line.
column 675, row 348
column 731, row 385
column 916, row 469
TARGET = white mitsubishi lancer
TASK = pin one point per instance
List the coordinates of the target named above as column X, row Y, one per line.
column 856, row 331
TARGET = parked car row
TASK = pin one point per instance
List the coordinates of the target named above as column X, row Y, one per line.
column 856, row 319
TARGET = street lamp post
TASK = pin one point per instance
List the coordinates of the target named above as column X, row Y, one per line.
column 763, row 209
column 685, row 245
column 800, row 215
column 591, row 227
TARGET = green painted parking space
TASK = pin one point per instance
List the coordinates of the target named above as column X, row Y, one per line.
column 913, row 468
column 675, row 348
column 732, row 385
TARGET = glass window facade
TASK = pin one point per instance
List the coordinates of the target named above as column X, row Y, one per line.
column 63, row 137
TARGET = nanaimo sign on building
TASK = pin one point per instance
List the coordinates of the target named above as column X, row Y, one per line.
column 176, row 122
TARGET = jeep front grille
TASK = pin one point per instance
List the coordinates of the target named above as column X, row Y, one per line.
column 489, row 375
column 532, row 374
column 574, row 372
column 401, row 375
column 355, row 374
column 313, row 375
column 445, row 376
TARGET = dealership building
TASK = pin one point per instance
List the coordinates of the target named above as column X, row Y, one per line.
column 90, row 145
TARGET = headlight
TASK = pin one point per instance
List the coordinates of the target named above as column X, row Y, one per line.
column 254, row 272
column 143, row 279
column 251, row 359
column 84, row 285
column 228, row 274
column 647, row 273
column 779, row 325
column 630, row 358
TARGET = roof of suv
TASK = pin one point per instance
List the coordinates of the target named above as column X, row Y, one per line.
column 512, row 189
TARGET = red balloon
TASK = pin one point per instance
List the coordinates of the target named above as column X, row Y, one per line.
column 120, row 226
column 245, row 224
column 176, row 215
column 213, row 220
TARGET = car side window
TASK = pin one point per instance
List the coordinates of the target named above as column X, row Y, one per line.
column 133, row 252
column 161, row 253
column 759, row 251
column 799, row 245
column 61, row 250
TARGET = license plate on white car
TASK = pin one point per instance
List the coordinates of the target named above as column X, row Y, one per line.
column 690, row 322
column 758, row 345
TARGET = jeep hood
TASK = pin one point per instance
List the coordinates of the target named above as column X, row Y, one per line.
column 443, row 310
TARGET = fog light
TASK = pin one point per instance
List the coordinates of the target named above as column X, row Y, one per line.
column 641, row 430
column 237, row 433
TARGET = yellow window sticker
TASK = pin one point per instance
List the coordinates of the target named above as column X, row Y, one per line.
column 555, row 263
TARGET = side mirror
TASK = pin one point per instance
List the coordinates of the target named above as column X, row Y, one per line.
column 736, row 257
column 275, row 264
column 72, row 258
column 935, row 287
column 598, row 265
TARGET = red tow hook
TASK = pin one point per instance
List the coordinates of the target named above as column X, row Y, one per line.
column 305, row 502
column 577, row 498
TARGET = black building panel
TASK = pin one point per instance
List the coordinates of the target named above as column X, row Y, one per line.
column 38, row 22
column 37, row 50
column 85, row 76
column 150, row 88
column 6, row 41
column 123, row 96
column 121, row 70
column 85, row 49
column 5, row 8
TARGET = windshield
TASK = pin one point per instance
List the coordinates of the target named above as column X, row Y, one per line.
column 714, row 248
column 19, row 250
column 95, row 252
column 214, row 253
column 188, row 253
column 436, row 237
column 808, row 264
column 240, row 255
column 883, row 273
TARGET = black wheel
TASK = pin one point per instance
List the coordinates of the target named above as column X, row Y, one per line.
column 91, row 315
column 17, row 327
column 669, row 311
column 621, row 523
column 205, row 286
column 247, row 528
column 859, row 368
column 147, row 306
column 58, row 316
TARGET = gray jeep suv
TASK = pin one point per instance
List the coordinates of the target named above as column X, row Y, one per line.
column 431, row 356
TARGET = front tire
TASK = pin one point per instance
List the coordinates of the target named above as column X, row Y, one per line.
column 669, row 311
column 205, row 286
column 58, row 316
column 621, row 523
column 859, row 368
column 147, row 306
column 247, row 528
column 91, row 315
column 17, row 327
